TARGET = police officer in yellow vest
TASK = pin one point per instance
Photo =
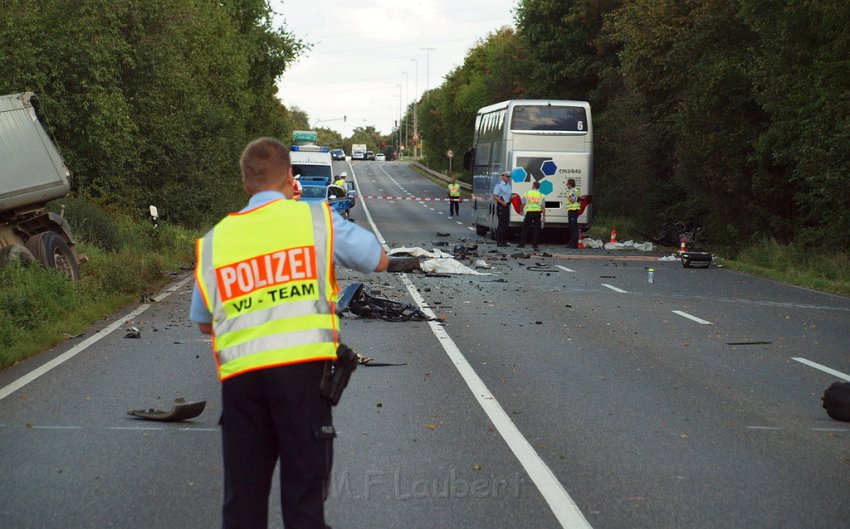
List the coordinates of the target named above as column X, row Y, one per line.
column 340, row 180
column 454, row 198
column 573, row 209
column 533, row 210
column 265, row 290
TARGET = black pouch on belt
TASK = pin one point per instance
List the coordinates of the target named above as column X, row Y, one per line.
column 337, row 373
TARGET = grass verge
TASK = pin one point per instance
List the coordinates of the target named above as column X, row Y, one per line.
column 39, row 308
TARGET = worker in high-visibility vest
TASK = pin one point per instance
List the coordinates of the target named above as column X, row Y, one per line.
column 454, row 198
column 533, row 210
column 340, row 180
column 573, row 208
column 265, row 290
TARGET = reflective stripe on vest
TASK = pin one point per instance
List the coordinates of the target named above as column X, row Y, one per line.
column 454, row 190
column 271, row 291
column 533, row 201
column 573, row 193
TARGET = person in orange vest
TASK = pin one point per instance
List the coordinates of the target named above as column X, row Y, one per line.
column 454, row 198
column 265, row 290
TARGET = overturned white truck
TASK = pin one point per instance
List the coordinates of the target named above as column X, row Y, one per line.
column 32, row 173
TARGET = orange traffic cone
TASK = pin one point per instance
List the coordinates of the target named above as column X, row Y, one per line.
column 613, row 236
column 580, row 241
column 682, row 248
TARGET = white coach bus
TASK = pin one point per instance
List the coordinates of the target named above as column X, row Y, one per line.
column 547, row 141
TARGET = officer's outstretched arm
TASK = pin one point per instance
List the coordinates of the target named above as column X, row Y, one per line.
column 383, row 263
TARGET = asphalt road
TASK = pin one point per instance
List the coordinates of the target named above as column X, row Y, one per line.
column 560, row 391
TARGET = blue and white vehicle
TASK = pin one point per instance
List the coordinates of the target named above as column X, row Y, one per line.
column 338, row 198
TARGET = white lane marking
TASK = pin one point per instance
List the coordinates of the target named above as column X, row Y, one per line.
column 470, row 228
column 692, row 318
column 57, row 427
column 765, row 428
column 823, row 368
column 133, row 428
column 837, row 430
column 199, row 429
column 615, row 289
column 459, row 222
column 563, row 507
column 82, row 346
column 565, row 269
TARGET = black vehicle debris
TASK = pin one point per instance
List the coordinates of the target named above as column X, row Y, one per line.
column 181, row 411
column 357, row 299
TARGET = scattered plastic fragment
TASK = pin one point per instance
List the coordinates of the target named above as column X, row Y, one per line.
column 181, row 411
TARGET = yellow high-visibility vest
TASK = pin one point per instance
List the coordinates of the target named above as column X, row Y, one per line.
column 533, row 201
column 267, row 278
column 454, row 190
column 573, row 194
column 340, row 183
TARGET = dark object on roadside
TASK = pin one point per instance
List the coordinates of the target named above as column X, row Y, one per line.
column 133, row 332
column 521, row 255
column 671, row 234
column 181, row 411
column 441, row 234
column 695, row 259
column 836, row 400
column 337, row 373
column 403, row 264
column 357, row 299
column 439, row 243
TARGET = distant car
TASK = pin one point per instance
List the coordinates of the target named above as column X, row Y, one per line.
column 370, row 155
column 337, row 197
column 380, row 157
column 338, row 154
column 358, row 155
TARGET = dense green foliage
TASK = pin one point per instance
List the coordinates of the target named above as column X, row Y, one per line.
column 733, row 113
column 151, row 102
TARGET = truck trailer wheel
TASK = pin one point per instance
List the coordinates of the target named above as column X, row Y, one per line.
column 16, row 254
column 52, row 251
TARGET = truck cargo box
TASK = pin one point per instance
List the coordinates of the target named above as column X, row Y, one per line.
column 32, row 172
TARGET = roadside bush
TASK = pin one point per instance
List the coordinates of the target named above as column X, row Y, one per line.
column 89, row 223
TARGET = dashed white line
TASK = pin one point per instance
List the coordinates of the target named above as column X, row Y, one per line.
column 565, row 269
column 470, row 228
column 823, row 368
column 615, row 289
column 692, row 318
column 57, row 427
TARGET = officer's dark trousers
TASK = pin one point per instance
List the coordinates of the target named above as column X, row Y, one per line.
column 503, row 216
column 269, row 414
column 572, row 228
column 454, row 207
column 531, row 222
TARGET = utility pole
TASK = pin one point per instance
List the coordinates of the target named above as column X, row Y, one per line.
column 415, row 118
column 428, row 68
column 406, row 100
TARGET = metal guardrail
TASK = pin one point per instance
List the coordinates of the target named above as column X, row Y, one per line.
column 441, row 176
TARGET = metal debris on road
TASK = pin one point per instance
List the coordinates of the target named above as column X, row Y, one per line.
column 133, row 332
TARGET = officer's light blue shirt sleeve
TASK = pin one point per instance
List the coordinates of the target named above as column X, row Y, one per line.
column 355, row 247
column 198, row 312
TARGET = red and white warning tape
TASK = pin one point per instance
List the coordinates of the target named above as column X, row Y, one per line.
column 421, row 199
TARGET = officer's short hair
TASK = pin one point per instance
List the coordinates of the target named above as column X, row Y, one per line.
column 263, row 161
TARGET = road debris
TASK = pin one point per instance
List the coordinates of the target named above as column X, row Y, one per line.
column 181, row 411
column 357, row 299
column 836, row 400
column 133, row 332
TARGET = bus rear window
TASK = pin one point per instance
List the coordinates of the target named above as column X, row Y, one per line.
column 549, row 118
